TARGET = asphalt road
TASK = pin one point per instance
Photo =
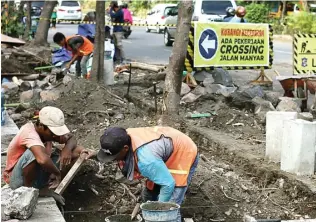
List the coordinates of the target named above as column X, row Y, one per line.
column 149, row 47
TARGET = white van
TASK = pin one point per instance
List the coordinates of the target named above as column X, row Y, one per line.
column 156, row 17
column 211, row 10
column 204, row 10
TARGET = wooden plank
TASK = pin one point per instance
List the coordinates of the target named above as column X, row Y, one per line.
column 71, row 174
column 8, row 39
column 16, row 74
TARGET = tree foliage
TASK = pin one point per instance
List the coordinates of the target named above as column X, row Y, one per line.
column 257, row 13
column 142, row 7
column 303, row 22
column 10, row 23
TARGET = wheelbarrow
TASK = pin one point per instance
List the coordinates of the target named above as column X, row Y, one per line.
column 298, row 87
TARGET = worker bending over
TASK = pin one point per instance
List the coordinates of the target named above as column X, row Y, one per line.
column 32, row 161
column 81, row 49
column 165, row 156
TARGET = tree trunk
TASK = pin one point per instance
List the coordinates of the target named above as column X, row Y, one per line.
column 43, row 26
column 305, row 6
column 283, row 14
column 21, row 10
column 98, row 53
column 28, row 21
column 171, row 98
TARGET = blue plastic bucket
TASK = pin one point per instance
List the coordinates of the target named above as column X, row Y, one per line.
column 154, row 211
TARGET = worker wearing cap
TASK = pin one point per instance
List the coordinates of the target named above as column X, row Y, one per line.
column 81, row 49
column 31, row 161
column 163, row 155
column 240, row 13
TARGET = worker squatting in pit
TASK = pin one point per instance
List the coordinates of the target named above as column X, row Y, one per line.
column 165, row 156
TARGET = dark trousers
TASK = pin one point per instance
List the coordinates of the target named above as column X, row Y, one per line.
column 54, row 23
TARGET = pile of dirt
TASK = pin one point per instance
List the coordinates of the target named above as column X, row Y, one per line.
column 24, row 59
column 219, row 191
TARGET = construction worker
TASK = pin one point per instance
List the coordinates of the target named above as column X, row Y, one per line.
column 81, row 49
column 117, row 16
column 163, row 155
column 31, row 160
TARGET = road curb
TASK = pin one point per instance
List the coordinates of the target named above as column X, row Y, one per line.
column 283, row 37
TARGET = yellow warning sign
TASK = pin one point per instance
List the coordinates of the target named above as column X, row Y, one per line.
column 231, row 44
column 304, row 54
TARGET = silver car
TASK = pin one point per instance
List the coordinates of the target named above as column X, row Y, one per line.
column 170, row 31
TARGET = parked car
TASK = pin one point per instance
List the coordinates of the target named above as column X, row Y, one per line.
column 204, row 10
column 157, row 16
column 69, row 10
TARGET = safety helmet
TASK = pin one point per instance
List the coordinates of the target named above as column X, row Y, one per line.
column 230, row 11
column 240, row 11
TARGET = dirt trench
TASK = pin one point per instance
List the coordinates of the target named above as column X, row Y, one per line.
column 225, row 186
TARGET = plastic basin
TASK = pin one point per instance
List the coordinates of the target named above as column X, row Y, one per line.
column 159, row 211
column 121, row 218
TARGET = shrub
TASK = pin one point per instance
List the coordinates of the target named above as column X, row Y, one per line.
column 10, row 24
column 302, row 22
column 257, row 13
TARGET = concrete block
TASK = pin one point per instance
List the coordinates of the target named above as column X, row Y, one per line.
column 21, row 203
column 298, row 147
column 274, row 131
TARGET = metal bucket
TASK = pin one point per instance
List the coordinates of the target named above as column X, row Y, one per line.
column 122, row 218
column 160, row 211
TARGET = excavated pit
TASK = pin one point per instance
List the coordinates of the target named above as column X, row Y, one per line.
column 228, row 182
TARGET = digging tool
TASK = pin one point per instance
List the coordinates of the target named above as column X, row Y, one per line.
column 71, row 174
column 135, row 211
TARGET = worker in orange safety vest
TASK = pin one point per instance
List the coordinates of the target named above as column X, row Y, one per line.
column 163, row 155
column 81, row 49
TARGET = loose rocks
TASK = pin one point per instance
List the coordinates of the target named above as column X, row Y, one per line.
column 262, row 107
column 305, row 116
column 253, row 91
column 185, row 89
column 49, row 95
column 25, row 86
column 199, row 91
column 222, row 77
column 189, row 98
column 288, row 105
column 16, row 116
column 67, row 80
column 202, row 75
column 42, row 83
column 272, row 97
column 220, row 89
column 10, row 88
column 26, row 96
column 21, row 203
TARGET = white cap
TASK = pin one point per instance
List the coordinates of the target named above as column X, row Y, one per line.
column 54, row 119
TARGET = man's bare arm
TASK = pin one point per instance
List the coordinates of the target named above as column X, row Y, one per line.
column 44, row 160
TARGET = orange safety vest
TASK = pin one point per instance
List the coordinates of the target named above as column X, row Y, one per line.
column 182, row 157
column 85, row 49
